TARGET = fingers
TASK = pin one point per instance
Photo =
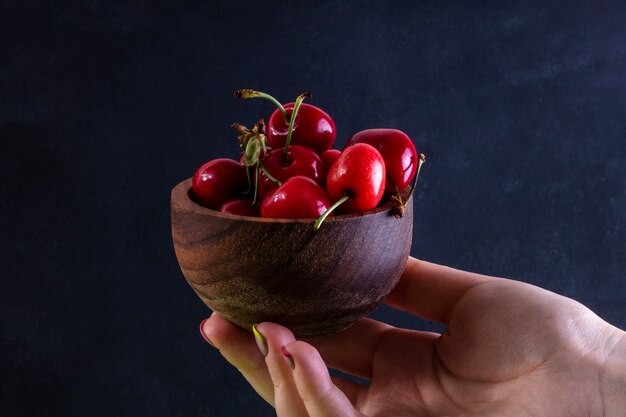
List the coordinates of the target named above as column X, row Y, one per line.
column 239, row 349
column 431, row 291
column 304, row 390
column 269, row 366
column 321, row 397
column 352, row 350
column 271, row 338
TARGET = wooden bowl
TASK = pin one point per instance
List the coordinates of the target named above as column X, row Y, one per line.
column 252, row 269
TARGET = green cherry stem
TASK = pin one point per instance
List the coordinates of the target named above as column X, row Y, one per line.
column 249, row 181
column 247, row 93
column 268, row 175
column 292, row 120
column 330, row 209
column 256, row 183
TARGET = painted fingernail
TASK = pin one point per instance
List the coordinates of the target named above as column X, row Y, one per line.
column 204, row 336
column 288, row 357
column 260, row 340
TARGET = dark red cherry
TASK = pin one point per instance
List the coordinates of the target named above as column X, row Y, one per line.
column 299, row 160
column 266, row 185
column 218, row 181
column 240, row 207
column 313, row 128
column 358, row 177
column 298, row 198
column 329, row 157
column 398, row 151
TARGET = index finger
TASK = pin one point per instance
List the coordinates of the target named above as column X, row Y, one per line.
column 431, row 291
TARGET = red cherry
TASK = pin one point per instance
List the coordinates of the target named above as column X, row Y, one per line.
column 299, row 160
column 240, row 207
column 329, row 157
column 358, row 176
column 298, row 198
column 313, row 128
column 218, row 181
column 398, row 151
column 266, row 185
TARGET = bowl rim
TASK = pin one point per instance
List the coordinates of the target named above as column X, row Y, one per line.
column 180, row 195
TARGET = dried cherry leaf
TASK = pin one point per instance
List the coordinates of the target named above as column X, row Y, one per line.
column 252, row 152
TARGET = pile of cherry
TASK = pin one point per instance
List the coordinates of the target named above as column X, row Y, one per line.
column 287, row 168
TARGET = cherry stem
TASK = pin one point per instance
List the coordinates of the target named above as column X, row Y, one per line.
column 268, row 175
column 292, row 120
column 247, row 93
column 256, row 183
column 249, row 181
column 422, row 159
column 330, row 209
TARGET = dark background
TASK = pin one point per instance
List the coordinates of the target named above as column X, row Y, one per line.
column 520, row 107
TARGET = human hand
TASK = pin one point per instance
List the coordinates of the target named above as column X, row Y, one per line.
column 510, row 349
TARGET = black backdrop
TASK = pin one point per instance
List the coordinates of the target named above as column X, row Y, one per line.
column 520, row 108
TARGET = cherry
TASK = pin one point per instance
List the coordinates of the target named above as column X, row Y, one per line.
column 329, row 157
column 298, row 198
column 356, row 181
column 240, row 207
column 266, row 185
column 398, row 151
column 218, row 181
column 312, row 126
column 299, row 160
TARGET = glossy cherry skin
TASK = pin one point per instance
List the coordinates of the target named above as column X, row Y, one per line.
column 298, row 198
column 313, row 128
column 359, row 173
column 300, row 160
column 240, row 207
column 398, row 151
column 329, row 157
column 266, row 185
column 218, row 181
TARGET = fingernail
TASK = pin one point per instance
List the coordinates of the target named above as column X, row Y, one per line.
column 260, row 340
column 288, row 357
column 204, row 336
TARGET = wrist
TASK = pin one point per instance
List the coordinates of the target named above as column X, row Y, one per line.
column 614, row 378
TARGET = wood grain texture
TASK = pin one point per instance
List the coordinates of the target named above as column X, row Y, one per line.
column 314, row 282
